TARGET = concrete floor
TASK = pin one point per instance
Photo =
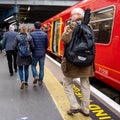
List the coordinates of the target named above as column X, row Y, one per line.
column 34, row 102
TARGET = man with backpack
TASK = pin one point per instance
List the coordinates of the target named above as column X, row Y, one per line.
column 72, row 70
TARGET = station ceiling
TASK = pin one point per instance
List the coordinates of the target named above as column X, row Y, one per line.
column 40, row 13
column 31, row 13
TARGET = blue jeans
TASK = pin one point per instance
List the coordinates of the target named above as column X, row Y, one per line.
column 23, row 70
column 41, row 60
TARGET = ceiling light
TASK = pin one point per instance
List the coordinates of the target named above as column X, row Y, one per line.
column 11, row 21
column 28, row 8
column 9, row 18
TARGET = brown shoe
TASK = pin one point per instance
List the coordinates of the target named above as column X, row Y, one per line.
column 35, row 80
column 22, row 85
column 40, row 83
column 71, row 111
column 87, row 115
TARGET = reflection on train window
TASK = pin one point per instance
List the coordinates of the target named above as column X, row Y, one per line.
column 56, row 36
column 101, row 22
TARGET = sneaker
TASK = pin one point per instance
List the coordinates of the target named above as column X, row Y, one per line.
column 40, row 83
column 35, row 80
column 26, row 85
column 22, row 85
column 73, row 111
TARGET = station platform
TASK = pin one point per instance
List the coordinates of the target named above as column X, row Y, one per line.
column 48, row 102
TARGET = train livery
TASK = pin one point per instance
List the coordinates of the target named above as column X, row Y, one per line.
column 105, row 15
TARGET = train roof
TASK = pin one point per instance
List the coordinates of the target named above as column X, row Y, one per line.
column 81, row 3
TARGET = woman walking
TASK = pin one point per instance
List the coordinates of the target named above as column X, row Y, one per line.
column 24, row 45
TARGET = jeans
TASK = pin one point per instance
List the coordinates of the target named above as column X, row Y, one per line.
column 22, row 70
column 41, row 60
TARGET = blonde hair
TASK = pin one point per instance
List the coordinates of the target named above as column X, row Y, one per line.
column 24, row 29
column 78, row 10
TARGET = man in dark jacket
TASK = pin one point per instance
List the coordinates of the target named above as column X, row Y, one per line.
column 7, row 44
column 40, row 40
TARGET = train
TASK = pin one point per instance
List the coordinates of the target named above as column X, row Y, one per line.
column 105, row 15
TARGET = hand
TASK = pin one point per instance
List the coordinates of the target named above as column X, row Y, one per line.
column 72, row 25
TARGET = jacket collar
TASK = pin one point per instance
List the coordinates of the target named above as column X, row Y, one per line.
column 37, row 30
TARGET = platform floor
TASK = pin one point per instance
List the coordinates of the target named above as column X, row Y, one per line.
column 99, row 109
column 35, row 102
column 47, row 102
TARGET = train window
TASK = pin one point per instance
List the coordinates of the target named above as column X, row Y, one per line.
column 55, row 36
column 101, row 22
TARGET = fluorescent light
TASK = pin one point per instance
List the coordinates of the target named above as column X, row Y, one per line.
column 28, row 8
column 11, row 21
column 9, row 18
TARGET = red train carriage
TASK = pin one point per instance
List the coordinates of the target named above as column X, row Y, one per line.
column 106, row 25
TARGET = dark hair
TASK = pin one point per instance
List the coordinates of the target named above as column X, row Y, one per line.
column 37, row 24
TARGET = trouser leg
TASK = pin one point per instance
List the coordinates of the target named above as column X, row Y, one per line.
column 9, row 59
column 15, row 57
column 85, row 90
column 26, row 70
column 41, row 66
column 20, row 70
column 67, row 83
column 33, row 67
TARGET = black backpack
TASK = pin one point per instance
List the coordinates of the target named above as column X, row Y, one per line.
column 24, row 47
column 81, row 49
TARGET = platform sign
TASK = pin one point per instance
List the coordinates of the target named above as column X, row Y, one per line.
column 98, row 111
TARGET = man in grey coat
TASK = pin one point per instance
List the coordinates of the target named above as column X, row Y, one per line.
column 7, row 44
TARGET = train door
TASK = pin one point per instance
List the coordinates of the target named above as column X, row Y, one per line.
column 56, row 36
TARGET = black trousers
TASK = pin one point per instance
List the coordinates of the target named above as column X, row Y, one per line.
column 11, row 58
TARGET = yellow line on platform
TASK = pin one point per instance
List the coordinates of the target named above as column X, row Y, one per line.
column 59, row 97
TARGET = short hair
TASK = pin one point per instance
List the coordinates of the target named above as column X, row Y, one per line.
column 11, row 27
column 37, row 24
column 78, row 10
